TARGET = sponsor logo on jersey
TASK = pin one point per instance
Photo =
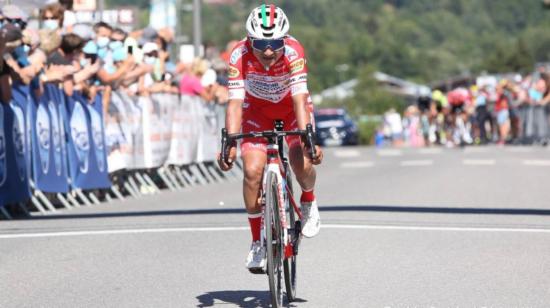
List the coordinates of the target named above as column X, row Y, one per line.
column 298, row 78
column 253, row 123
column 290, row 53
column 233, row 84
column 237, row 54
column 296, row 66
column 233, row 72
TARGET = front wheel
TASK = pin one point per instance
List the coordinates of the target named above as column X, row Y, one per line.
column 274, row 240
column 289, row 264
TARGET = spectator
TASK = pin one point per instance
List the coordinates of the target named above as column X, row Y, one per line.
column 483, row 117
column 190, row 83
column 102, row 38
column 502, row 112
column 149, row 83
column 393, row 119
column 10, row 38
column 538, row 119
column 69, row 17
column 52, row 16
column 66, row 58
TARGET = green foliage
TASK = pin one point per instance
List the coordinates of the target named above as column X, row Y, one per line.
column 421, row 40
column 367, row 132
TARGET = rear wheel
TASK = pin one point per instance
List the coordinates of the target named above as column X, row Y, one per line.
column 273, row 233
column 289, row 264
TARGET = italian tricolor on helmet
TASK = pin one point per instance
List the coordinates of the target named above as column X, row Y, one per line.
column 267, row 22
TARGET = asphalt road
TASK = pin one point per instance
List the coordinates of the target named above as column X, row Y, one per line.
column 401, row 228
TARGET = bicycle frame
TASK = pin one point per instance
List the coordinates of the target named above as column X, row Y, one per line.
column 275, row 165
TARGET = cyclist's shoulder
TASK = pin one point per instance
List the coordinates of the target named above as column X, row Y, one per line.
column 293, row 49
column 240, row 49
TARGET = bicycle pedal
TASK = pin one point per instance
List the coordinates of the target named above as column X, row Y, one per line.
column 257, row 270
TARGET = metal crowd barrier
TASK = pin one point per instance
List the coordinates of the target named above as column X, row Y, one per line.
column 59, row 152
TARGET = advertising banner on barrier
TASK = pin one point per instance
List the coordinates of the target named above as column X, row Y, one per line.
column 184, row 133
column 121, row 123
column 86, row 147
column 148, row 132
column 208, row 132
column 14, row 186
column 157, row 113
column 49, row 163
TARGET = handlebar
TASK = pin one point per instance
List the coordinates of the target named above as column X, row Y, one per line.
column 229, row 140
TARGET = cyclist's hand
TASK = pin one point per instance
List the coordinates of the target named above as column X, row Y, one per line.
column 318, row 156
column 231, row 158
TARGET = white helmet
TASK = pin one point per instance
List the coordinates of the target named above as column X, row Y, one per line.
column 267, row 22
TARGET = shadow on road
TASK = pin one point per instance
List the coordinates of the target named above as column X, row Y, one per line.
column 244, row 298
column 338, row 208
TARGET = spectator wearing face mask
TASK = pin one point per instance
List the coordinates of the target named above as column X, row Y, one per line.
column 51, row 16
column 148, row 83
column 102, row 38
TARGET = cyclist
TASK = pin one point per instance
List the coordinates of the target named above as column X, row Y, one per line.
column 267, row 82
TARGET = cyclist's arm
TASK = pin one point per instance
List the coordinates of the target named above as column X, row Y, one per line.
column 300, row 109
column 233, row 116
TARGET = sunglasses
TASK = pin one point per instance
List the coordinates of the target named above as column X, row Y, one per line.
column 16, row 22
column 262, row 45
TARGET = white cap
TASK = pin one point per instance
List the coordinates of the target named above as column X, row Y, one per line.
column 209, row 78
column 149, row 47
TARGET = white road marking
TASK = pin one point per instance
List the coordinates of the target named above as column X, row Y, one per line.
column 410, row 163
column 357, row 164
column 389, row 152
column 430, row 151
column 123, row 231
column 246, row 228
column 537, row 163
column 425, row 228
column 347, row 153
column 479, row 162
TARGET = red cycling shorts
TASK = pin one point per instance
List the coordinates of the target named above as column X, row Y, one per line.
column 261, row 119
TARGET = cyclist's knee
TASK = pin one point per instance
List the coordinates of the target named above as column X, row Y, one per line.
column 253, row 167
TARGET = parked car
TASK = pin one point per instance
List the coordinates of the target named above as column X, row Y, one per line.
column 334, row 127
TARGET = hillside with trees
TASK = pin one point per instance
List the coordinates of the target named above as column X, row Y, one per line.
column 420, row 40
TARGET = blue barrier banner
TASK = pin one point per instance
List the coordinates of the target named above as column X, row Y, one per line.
column 48, row 137
column 14, row 184
column 86, row 143
column 23, row 99
column 19, row 142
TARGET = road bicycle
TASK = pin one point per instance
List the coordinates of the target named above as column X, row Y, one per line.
column 281, row 216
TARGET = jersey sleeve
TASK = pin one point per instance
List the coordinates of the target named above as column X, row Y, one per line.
column 235, row 75
column 294, row 53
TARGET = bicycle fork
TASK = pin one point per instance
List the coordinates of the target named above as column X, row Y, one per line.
column 273, row 165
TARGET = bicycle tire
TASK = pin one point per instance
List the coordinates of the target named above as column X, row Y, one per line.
column 289, row 264
column 273, row 234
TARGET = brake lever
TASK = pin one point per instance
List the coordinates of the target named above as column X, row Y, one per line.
column 224, row 151
column 310, row 138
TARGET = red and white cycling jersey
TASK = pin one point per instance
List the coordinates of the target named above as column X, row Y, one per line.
column 271, row 87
